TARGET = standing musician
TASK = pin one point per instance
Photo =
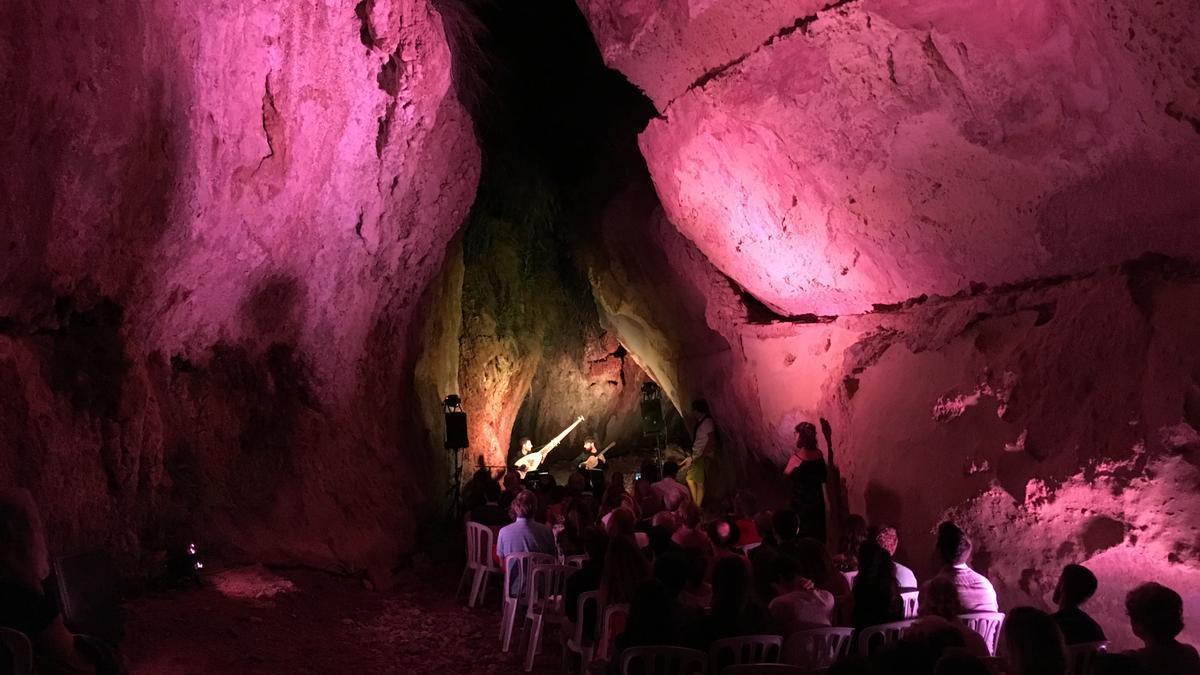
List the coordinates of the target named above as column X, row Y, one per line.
column 592, row 463
column 704, row 447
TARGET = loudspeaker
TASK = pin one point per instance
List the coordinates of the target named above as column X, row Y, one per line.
column 652, row 417
column 456, row 431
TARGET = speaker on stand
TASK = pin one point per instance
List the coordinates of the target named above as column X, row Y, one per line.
column 457, row 443
column 652, row 419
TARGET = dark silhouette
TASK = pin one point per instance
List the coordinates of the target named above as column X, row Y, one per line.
column 1156, row 616
column 1075, row 586
column 807, row 472
column 875, row 592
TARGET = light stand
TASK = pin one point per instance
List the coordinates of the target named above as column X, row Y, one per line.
column 457, row 443
column 652, row 419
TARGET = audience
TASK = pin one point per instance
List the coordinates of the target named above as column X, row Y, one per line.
column 1075, row 586
column 688, row 582
column 876, row 595
column 887, row 537
column 25, row 606
column 953, row 548
column 1032, row 644
column 1156, row 617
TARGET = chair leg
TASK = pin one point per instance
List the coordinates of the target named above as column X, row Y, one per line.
column 476, row 582
column 510, row 619
column 535, row 642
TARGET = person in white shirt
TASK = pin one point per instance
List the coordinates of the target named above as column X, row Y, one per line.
column 799, row 604
column 672, row 492
column 889, row 541
column 703, row 448
column 975, row 592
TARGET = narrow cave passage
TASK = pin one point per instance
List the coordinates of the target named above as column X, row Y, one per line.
column 925, row 264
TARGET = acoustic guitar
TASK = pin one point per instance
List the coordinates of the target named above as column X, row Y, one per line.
column 593, row 461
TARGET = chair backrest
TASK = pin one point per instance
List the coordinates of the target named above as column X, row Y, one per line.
column 911, row 604
column 872, row 637
column 663, row 661
column 19, row 651
column 744, row 649
column 764, row 669
column 746, row 548
column 517, row 568
column 612, row 624
column 817, row 647
column 575, row 561
column 1083, row 656
column 481, row 543
column 547, row 586
column 587, row 602
column 850, row 577
column 987, row 624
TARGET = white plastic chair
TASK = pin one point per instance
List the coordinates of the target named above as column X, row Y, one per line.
column 664, row 661
column 583, row 642
column 765, row 669
column 987, row 624
column 744, row 649
column 516, row 582
column 575, row 561
column 750, row 547
column 1083, row 656
column 481, row 544
column 911, row 603
column 817, row 647
column 881, row 635
column 612, row 624
column 547, row 588
column 19, row 649
column 850, row 577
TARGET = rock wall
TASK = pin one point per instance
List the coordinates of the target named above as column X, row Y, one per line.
column 219, row 223
column 935, row 225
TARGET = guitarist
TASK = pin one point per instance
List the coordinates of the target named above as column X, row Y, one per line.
column 592, row 463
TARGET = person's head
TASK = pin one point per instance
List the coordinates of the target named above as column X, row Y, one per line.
column 595, row 544
column 589, row 444
column 1155, row 613
column 724, row 534
column 875, row 567
column 806, row 436
column 512, row 481
column 700, row 407
column 764, row 522
column 953, row 546
column 785, row 524
column 854, row 533
column 745, row 505
column 1032, row 643
column 546, row 482
column 621, row 523
column 670, row 468
column 650, row 472
column 524, row 505
column 624, row 569
column 24, row 557
column 579, row 516
column 492, row 492
column 1075, row 585
column 576, row 483
column 817, row 565
column 940, row 598
column 787, row 575
column 888, row 539
column 612, row 500
column 526, row 445
column 688, row 514
column 730, row 585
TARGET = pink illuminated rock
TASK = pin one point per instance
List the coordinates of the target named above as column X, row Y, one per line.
column 889, row 150
column 219, row 223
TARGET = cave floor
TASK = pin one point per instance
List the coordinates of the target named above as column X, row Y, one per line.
column 326, row 624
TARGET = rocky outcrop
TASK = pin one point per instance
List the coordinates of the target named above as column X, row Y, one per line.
column 219, row 225
column 936, row 225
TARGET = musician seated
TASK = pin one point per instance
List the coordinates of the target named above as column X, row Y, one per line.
column 590, row 458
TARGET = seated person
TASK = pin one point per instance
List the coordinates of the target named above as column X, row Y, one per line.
column 490, row 513
column 588, row 577
column 953, row 548
column 889, row 540
column 798, row 604
column 1075, row 585
column 24, row 604
column 940, row 608
column 1032, row 644
column 690, row 536
column 671, row 491
column 524, row 535
column 1156, row 616
column 696, row 593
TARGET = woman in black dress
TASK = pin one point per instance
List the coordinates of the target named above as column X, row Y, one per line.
column 807, row 472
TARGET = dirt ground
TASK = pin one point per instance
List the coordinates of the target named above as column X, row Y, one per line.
column 255, row 621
